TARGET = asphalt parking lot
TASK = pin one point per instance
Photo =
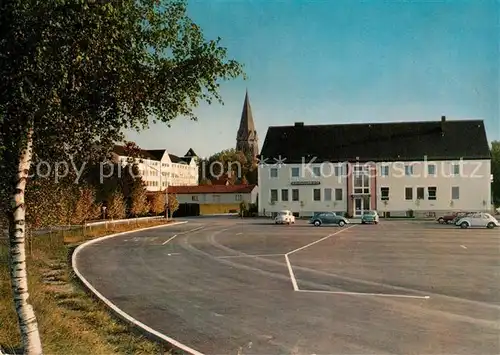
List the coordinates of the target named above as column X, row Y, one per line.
column 221, row 286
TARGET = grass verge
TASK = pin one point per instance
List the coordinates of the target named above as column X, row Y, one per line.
column 69, row 319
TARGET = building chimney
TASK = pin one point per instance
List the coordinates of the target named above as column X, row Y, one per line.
column 299, row 124
column 443, row 121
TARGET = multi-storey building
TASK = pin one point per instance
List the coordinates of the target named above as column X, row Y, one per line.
column 159, row 169
column 395, row 168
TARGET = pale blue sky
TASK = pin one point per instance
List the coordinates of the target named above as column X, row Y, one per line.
column 344, row 61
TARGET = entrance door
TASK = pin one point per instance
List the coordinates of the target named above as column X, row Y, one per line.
column 361, row 204
column 358, row 206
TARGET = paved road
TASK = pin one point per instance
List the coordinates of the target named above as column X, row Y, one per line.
column 206, row 288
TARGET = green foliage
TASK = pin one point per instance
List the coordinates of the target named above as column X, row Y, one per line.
column 495, row 170
column 47, row 203
column 116, row 208
column 234, row 163
column 76, row 73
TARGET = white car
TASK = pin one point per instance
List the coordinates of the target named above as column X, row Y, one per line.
column 478, row 219
column 284, row 217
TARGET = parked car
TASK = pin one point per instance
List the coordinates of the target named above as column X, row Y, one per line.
column 284, row 217
column 328, row 218
column 461, row 215
column 449, row 218
column 479, row 219
column 370, row 217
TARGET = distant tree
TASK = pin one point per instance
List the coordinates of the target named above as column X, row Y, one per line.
column 495, row 170
column 132, row 151
column 86, row 208
column 244, row 181
column 244, row 209
column 205, row 181
column 139, row 202
column 232, row 162
column 75, row 74
column 116, row 208
column 48, row 202
column 157, row 203
column 173, row 204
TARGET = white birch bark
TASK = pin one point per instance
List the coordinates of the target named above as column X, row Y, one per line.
column 17, row 252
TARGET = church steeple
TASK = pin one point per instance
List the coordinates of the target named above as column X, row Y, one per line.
column 247, row 140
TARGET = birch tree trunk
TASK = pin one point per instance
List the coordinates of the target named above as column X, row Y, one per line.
column 17, row 253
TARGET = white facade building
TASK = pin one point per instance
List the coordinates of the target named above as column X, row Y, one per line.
column 159, row 169
column 398, row 169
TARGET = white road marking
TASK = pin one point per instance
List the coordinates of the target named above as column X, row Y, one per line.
column 170, row 254
column 248, row 256
column 289, row 265
column 239, row 233
column 185, row 232
column 165, row 242
column 115, row 308
column 463, row 246
column 320, row 240
column 364, row 294
column 292, row 275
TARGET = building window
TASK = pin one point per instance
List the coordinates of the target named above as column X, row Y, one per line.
column 295, row 194
column 194, row 198
column 316, row 171
column 338, row 170
column 432, row 192
column 216, row 198
column 384, row 170
column 339, row 194
column 284, row 195
column 455, row 169
column 328, row 194
column 274, row 195
column 239, row 197
column 409, row 193
column 361, row 182
column 455, row 192
column 295, row 172
column 317, row 194
column 384, row 193
column 420, row 193
column 431, row 169
column 408, row 170
column 274, row 172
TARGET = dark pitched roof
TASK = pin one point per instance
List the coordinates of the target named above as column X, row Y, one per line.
column 120, row 150
column 438, row 140
column 174, row 158
column 209, row 189
column 157, row 153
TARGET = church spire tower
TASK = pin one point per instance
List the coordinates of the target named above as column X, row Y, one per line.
column 247, row 140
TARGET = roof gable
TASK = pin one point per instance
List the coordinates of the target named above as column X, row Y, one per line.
column 439, row 140
column 190, row 153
